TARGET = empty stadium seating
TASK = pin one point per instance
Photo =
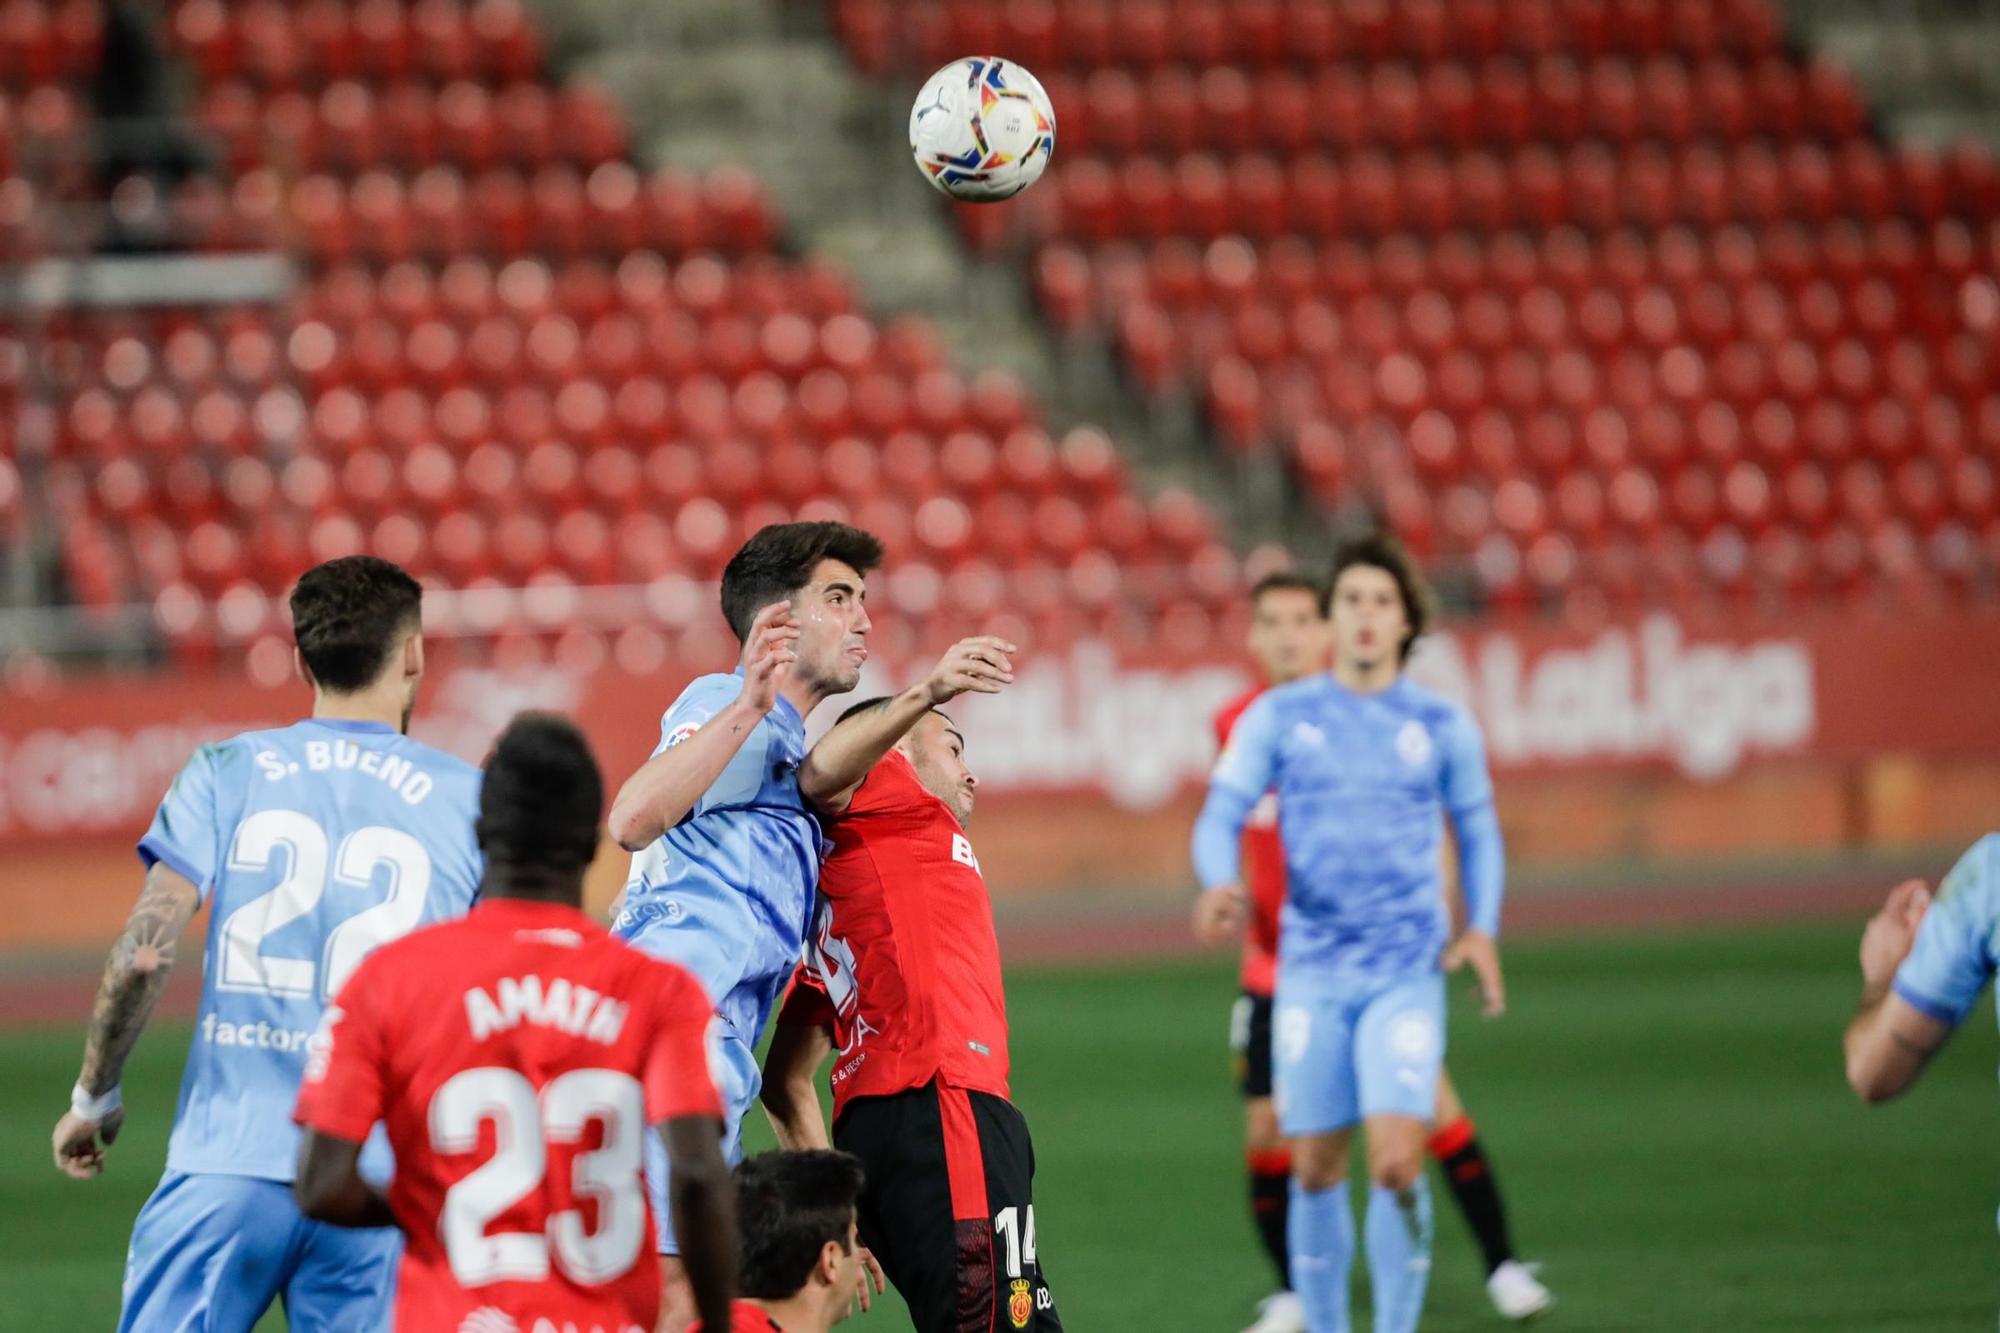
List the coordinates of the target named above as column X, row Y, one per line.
column 1599, row 300
column 518, row 363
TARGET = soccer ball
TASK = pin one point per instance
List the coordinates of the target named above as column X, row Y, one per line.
column 982, row 129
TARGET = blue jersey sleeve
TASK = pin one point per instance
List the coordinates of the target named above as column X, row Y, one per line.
column 1468, row 796
column 1956, row 948
column 1246, row 770
column 184, row 835
column 744, row 777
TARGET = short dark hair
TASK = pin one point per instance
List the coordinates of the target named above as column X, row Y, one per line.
column 788, row 1206
column 882, row 701
column 865, row 706
column 779, row 560
column 1285, row 580
column 1380, row 550
column 542, row 799
column 348, row 615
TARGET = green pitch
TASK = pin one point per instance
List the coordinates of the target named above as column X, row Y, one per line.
column 1667, row 1115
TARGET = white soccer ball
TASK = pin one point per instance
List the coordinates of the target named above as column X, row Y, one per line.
column 982, row 129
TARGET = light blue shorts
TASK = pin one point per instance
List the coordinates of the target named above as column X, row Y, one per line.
column 210, row 1253
column 737, row 1081
column 1343, row 1051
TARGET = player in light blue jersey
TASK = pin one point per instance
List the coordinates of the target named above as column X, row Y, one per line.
column 1366, row 766
column 1923, row 964
column 726, row 850
column 312, row 844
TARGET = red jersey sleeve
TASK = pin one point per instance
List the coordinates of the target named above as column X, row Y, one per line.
column 342, row 1093
column 807, row 1005
column 677, row 1078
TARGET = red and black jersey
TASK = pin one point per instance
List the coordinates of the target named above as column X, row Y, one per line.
column 902, row 959
column 1263, row 871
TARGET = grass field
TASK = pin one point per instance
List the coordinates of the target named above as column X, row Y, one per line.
column 1666, row 1112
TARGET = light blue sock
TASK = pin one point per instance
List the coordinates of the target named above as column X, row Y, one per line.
column 1320, row 1233
column 1399, row 1254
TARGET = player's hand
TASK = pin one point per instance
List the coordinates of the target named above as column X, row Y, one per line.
column 1219, row 914
column 80, row 1143
column 769, row 651
column 980, row 665
column 1892, row 931
column 1477, row 950
column 871, row 1276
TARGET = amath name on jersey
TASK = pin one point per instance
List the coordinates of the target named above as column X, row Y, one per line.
column 392, row 770
column 576, row 1010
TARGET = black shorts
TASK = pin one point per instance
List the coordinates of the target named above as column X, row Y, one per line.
column 949, row 1207
column 1250, row 1040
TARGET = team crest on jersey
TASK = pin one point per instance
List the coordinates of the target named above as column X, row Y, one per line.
column 1413, row 743
column 680, row 733
column 1020, row 1303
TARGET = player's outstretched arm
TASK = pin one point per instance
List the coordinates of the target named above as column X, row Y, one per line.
column 1890, row 1039
column 704, row 1212
column 134, row 975
column 840, row 762
column 672, row 782
column 329, row 1186
column 791, row 1082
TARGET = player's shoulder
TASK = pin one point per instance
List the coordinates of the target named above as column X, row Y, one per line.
column 716, row 685
column 1976, row 876
column 1305, row 692
column 1432, row 707
column 446, row 768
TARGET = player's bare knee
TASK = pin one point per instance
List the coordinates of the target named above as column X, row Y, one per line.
column 1396, row 1168
column 1319, row 1162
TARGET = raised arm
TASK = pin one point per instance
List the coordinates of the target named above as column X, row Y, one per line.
column 329, row 1186
column 134, row 975
column 840, row 762
column 704, row 1213
column 670, row 784
column 801, row 1040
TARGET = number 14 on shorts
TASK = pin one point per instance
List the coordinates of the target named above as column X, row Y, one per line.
column 1020, row 1239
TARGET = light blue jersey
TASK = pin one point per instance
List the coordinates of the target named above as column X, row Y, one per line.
column 1363, row 781
column 1958, row 944
column 312, row 845
column 728, row 892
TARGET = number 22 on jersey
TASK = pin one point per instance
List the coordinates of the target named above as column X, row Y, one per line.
column 296, row 840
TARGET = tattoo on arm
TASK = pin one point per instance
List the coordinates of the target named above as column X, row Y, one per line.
column 134, row 975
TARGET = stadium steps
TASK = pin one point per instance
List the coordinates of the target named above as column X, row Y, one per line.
column 762, row 84
column 1928, row 69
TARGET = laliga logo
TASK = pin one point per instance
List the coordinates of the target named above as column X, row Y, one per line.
column 1630, row 694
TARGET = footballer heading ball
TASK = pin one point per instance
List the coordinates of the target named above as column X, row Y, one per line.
column 982, row 129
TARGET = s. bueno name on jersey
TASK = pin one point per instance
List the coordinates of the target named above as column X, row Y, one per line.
column 392, row 770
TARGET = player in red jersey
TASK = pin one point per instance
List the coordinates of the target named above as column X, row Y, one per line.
column 801, row 1255
column 517, row 1057
column 904, row 978
column 1290, row 638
